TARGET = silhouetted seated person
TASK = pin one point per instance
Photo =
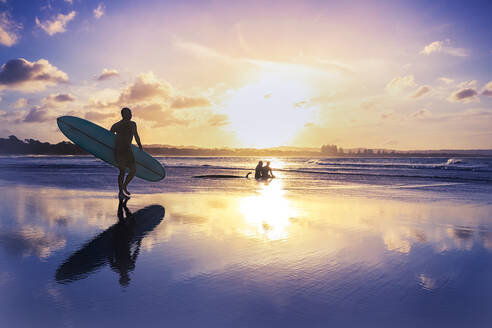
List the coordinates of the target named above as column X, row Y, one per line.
column 258, row 170
column 266, row 172
column 125, row 130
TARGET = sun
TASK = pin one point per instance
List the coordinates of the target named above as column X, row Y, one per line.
column 271, row 110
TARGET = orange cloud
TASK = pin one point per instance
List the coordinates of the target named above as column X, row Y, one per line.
column 189, row 102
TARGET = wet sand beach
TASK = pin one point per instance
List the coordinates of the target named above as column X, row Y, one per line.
column 245, row 254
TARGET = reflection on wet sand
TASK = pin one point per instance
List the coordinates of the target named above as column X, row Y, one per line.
column 31, row 240
column 220, row 252
column 118, row 246
column 268, row 213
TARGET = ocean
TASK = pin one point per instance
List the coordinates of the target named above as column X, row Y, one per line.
column 302, row 174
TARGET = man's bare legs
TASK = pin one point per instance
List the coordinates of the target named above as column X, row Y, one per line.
column 129, row 178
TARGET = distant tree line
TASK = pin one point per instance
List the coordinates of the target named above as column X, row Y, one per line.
column 14, row 146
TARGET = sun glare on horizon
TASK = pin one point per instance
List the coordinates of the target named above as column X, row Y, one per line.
column 276, row 98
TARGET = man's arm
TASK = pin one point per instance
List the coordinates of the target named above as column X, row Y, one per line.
column 113, row 128
column 135, row 134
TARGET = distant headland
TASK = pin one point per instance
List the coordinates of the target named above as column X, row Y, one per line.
column 14, row 146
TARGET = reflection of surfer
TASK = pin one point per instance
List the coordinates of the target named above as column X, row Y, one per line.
column 118, row 246
column 122, row 260
column 125, row 130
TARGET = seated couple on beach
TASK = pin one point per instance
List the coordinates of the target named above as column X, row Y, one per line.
column 263, row 172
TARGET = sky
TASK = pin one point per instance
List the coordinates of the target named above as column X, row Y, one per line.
column 375, row 74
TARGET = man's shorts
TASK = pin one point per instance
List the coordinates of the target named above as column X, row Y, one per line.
column 124, row 157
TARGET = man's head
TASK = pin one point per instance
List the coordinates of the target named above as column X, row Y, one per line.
column 126, row 113
column 260, row 163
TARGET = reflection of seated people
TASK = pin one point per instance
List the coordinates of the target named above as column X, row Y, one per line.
column 266, row 172
column 122, row 260
column 258, row 170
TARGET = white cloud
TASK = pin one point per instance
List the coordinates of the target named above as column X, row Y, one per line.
column 435, row 46
column 146, row 87
column 56, row 24
column 54, row 100
column 464, row 95
column 444, row 47
column 468, row 84
column 39, row 114
column 9, row 30
column 487, row 90
column 23, row 75
column 421, row 91
column 157, row 102
column 422, row 113
column 446, row 80
column 401, row 83
column 107, row 74
column 99, row 11
column 20, row 103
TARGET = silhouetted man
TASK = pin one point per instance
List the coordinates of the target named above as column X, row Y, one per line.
column 125, row 130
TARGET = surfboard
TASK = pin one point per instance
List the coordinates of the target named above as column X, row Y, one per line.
column 221, row 176
column 100, row 142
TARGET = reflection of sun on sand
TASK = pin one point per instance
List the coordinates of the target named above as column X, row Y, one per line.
column 268, row 213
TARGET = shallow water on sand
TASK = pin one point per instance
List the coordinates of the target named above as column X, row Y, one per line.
column 256, row 255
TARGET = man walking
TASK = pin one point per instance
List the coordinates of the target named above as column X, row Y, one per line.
column 125, row 130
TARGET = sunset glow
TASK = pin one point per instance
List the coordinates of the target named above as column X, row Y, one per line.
column 259, row 74
column 258, row 110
